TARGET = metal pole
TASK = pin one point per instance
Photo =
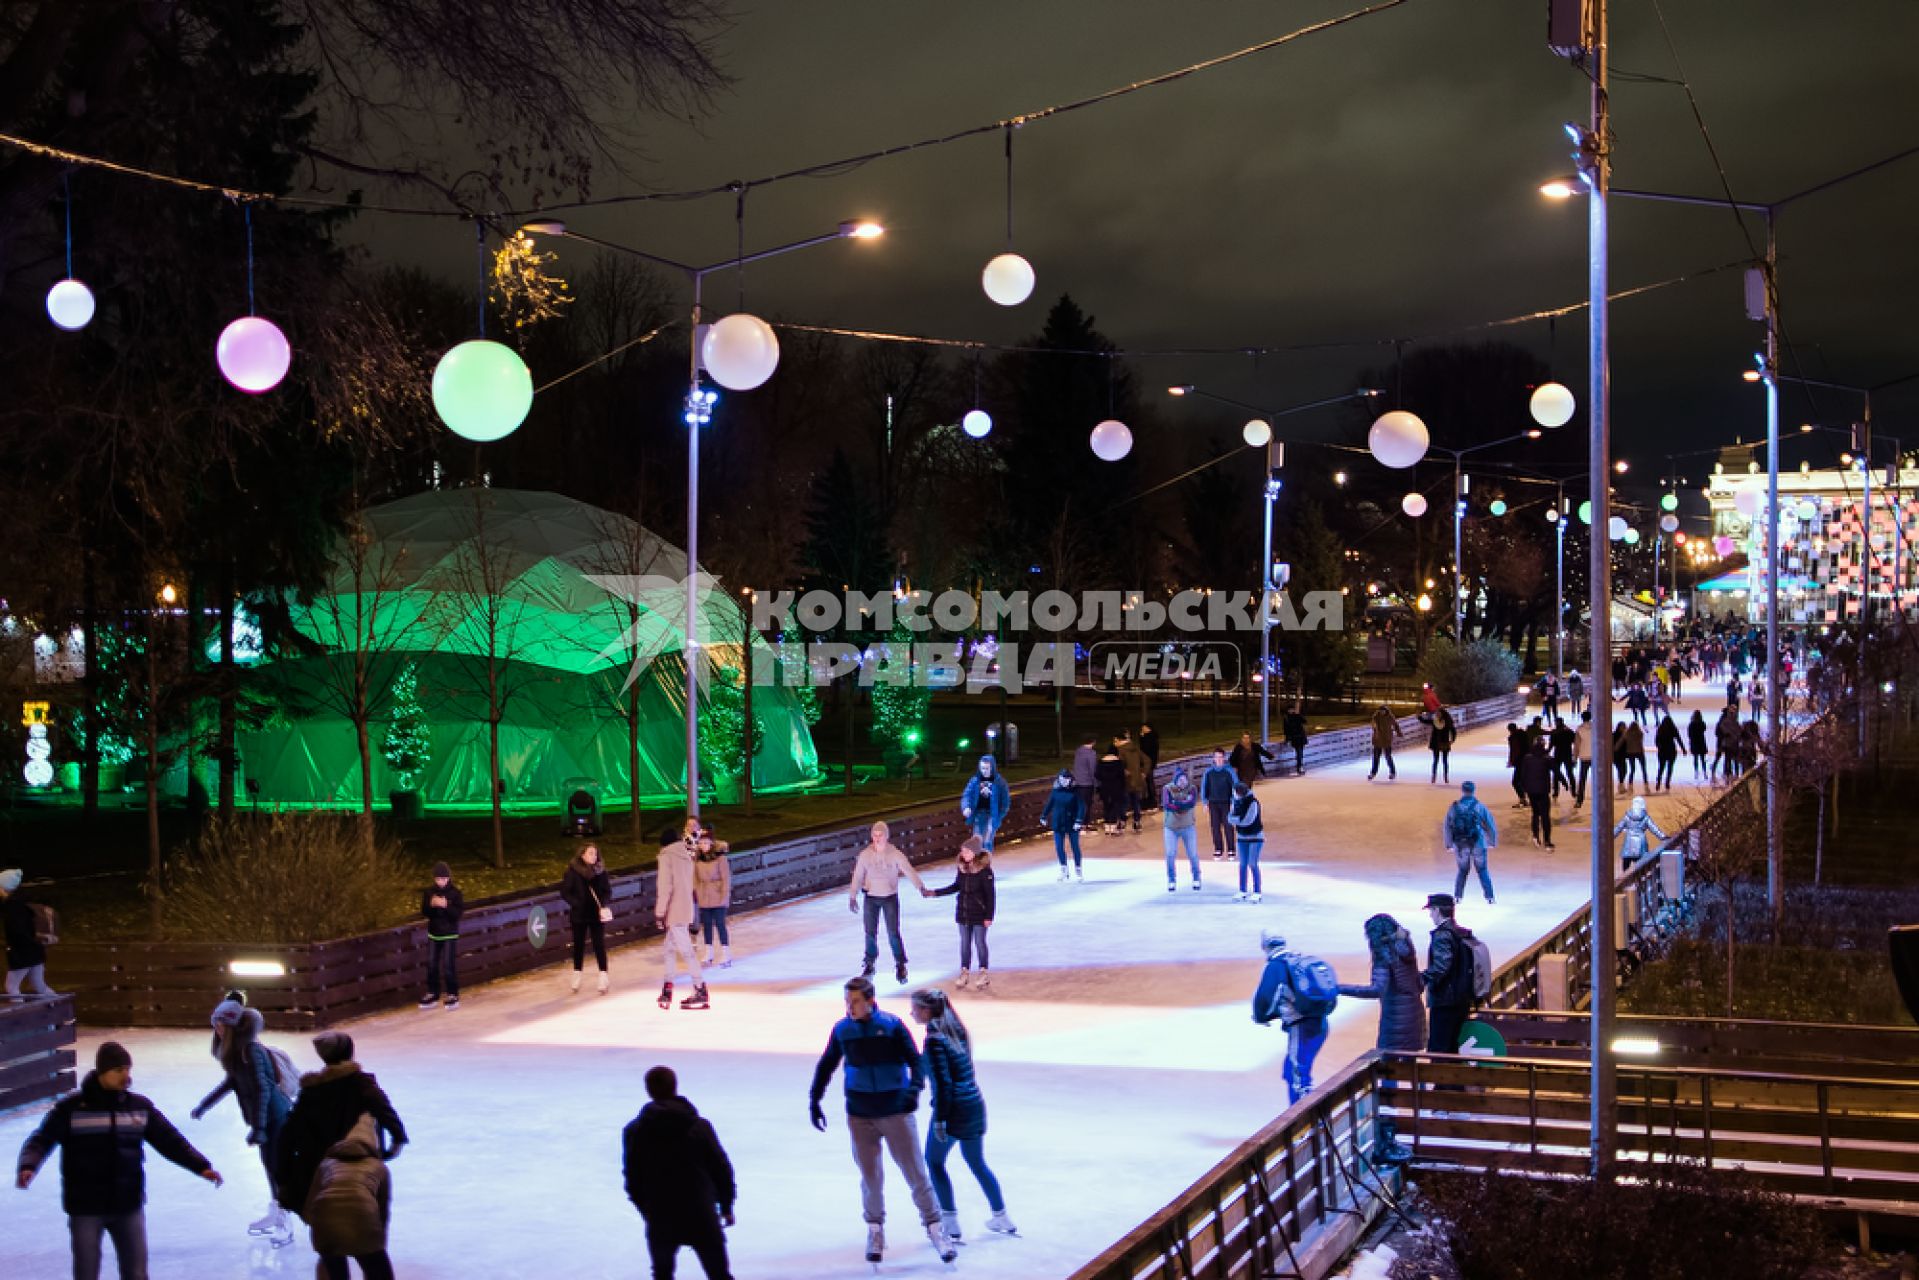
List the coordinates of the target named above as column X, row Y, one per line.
column 1266, row 605
column 1658, row 541
column 1865, row 551
column 1559, row 591
column 692, row 649
column 1775, row 728
column 1459, row 576
column 1597, row 147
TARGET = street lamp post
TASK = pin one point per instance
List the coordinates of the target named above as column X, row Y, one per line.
column 696, row 407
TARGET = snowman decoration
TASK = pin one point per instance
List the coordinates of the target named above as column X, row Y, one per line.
column 39, row 770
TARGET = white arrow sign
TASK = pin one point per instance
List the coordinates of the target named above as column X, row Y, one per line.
column 1473, row 1049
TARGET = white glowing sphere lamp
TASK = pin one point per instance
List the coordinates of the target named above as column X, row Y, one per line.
column 1258, row 433
column 253, row 354
column 1669, row 523
column 70, row 305
column 977, row 423
column 482, row 390
column 1413, row 504
column 1398, row 439
column 1551, row 404
column 1746, row 502
column 1112, row 440
column 1616, row 528
column 740, row 352
column 1008, row 279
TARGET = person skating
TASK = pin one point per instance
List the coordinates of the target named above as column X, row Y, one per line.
column 1112, row 791
column 1085, row 778
column 1439, row 740
column 959, row 1112
column 260, row 1084
column 1061, row 816
column 985, row 801
column 1666, row 742
column 1575, row 691
column 1635, row 826
column 26, row 952
column 103, row 1130
column 441, row 905
column 1468, row 832
column 1395, row 984
column 331, row 1104
column 1516, row 752
column 1216, row 789
column 1583, row 752
column 713, row 894
column 1179, row 800
column 883, row 1079
column 1246, row 758
column 1562, row 740
column 1298, row 992
column 678, row 1177
column 877, row 875
column 588, row 895
column 973, row 883
column 347, row 1210
column 673, row 913
column 1696, row 745
column 1135, row 761
column 1249, row 835
column 1385, row 733
column 1293, row 729
column 1536, row 776
column 1448, row 977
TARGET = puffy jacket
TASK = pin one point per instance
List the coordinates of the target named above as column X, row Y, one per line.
column 1396, row 985
column 1062, row 808
column 883, row 1076
column 1178, row 803
column 1449, row 968
column 986, row 796
column 585, row 889
column 1216, row 786
column 673, row 885
column 676, row 1170
column 976, row 896
column 443, row 922
column 351, row 1194
column 713, row 880
column 956, row 1101
column 1443, row 734
column 1245, row 817
column 255, row 1088
column 103, row 1138
column 331, row 1102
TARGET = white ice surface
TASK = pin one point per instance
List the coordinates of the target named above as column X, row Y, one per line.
column 1115, row 1048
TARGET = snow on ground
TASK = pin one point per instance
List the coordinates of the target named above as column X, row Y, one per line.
column 1116, row 1053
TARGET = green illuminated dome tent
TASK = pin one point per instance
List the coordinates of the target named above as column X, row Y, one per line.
column 442, row 580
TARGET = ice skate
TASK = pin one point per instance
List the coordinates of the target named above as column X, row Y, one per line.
column 875, row 1244
column 273, row 1222
column 709, row 955
column 963, row 979
column 1062, row 875
column 573, row 983
column 866, row 966
column 697, row 1000
column 950, row 1223
column 941, row 1244
column 899, row 971
column 1171, row 887
column 1195, row 886
column 985, row 981
column 452, row 1002
column 1001, row 1223
column 1079, row 875
column 666, row 996
column 605, row 982
column 428, row 1002
column 1239, row 897
column 1254, row 898
column 726, row 957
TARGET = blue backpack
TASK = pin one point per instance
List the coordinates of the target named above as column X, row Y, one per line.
column 1315, row 985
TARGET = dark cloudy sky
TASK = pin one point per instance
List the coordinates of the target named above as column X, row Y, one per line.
column 1373, row 182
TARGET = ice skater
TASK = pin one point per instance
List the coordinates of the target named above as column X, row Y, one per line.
column 1250, row 833
column 1216, row 789
column 1061, row 816
column 103, row 1130
column 1246, row 758
column 1468, row 832
column 1178, row 800
column 261, row 1085
column 959, row 1112
column 332, row 1102
column 883, row 1079
column 877, row 874
column 587, row 892
column 678, row 1177
column 347, row 1210
column 1085, row 778
column 1293, row 729
column 1111, row 775
column 973, row 883
column 1440, row 742
column 1634, row 826
column 713, row 894
column 673, row 913
column 441, row 905
column 985, row 801
column 1299, row 992
column 1385, row 733
column 26, row 943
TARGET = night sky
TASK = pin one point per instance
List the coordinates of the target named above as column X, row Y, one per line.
column 1374, row 182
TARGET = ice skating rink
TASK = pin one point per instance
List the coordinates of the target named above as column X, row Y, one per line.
column 1115, row 1048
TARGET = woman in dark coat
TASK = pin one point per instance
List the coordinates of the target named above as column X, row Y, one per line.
column 1666, row 742
column 1441, row 742
column 586, row 891
column 959, row 1112
column 1696, row 743
column 252, row 1076
column 1395, row 984
column 974, row 910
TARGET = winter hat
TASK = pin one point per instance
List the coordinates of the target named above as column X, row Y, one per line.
column 1271, row 942
column 334, row 1047
column 228, row 1013
column 10, row 880
column 974, row 845
column 111, row 1057
column 441, row 869
column 1466, row 787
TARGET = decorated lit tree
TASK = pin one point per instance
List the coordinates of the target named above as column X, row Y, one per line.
column 407, row 747
column 899, row 710
column 723, row 727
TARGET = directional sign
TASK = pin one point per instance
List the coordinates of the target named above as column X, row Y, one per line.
column 1481, row 1040
column 536, row 927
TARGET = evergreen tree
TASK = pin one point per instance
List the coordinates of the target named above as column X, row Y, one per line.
column 899, row 710
column 723, row 729
column 407, row 746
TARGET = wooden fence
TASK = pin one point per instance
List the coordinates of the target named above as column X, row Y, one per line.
column 177, row 983
column 1787, row 1048
column 36, row 1050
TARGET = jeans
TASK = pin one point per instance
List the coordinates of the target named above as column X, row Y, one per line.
column 1442, row 1028
column 1299, row 757
column 890, row 906
column 984, row 827
column 1060, row 837
column 705, row 1239
column 1222, row 827
column 1391, row 768
column 1442, row 763
column 441, row 962
column 1175, row 837
column 1562, row 776
column 33, row 979
column 902, row 1142
column 1542, row 824
column 973, row 1151
column 1699, row 765
column 1249, row 860
column 713, row 920
column 374, row 1266
column 1665, row 771
column 1132, row 807
column 1472, row 857
column 1579, row 790
column 129, row 1232
column 1303, row 1041
column 973, row 935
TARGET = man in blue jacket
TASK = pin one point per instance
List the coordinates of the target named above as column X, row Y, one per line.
column 1216, row 788
column 883, row 1082
column 985, row 801
column 103, row 1130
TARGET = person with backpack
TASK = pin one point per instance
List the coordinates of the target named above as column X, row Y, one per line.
column 985, row 801
column 263, row 1082
column 1061, row 816
column 1250, row 832
column 1395, row 984
column 678, row 1177
column 1216, row 787
column 1444, row 733
column 1178, row 799
column 588, row 895
column 973, row 912
column 441, row 905
column 1450, row 976
column 331, row 1104
column 1300, row 992
column 1468, row 832
column 29, row 929
column 103, row 1130
column 1385, row 733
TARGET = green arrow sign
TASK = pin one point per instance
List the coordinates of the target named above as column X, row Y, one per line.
column 536, row 927
column 1481, row 1040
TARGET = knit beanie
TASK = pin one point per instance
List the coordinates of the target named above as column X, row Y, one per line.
column 441, row 869
column 111, row 1057
column 228, row 1013
column 10, row 880
column 334, row 1047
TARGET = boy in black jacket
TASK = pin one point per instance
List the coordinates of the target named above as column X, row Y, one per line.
column 442, row 906
column 678, row 1177
column 103, row 1130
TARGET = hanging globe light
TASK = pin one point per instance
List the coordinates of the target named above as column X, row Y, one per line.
column 1746, row 502
column 1497, row 506
column 1808, row 510
column 1112, row 440
column 1669, row 502
column 1413, row 504
column 1552, row 404
column 740, row 351
column 253, row 354
column 70, row 305
column 977, row 423
column 1552, row 515
column 1616, row 528
column 1008, row 279
column 1586, row 512
column 1723, row 544
column 1630, row 537
column 1398, row 439
column 1669, row 523
column 1257, row 433
column 482, row 390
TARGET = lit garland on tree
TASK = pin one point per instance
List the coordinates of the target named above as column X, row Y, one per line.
column 407, row 746
column 723, row 725
column 899, row 710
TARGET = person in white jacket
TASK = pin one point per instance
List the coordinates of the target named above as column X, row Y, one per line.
column 673, row 912
column 877, row 874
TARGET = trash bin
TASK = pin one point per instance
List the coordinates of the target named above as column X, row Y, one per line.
column 1010, row 755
